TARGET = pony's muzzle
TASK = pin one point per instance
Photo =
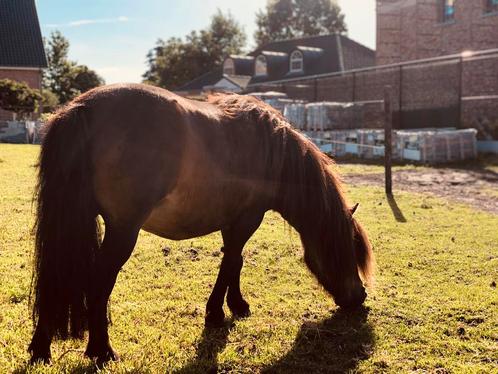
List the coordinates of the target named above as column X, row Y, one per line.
column 353, row 300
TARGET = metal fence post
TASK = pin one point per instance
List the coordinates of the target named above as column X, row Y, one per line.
column 354, row 86
column 388, row 119
column 460, row 92
column 400, row 110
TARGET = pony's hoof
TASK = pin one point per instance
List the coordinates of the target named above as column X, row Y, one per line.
column 101, row 356
column 40, row 359
column 239, row 309
column 215, row 319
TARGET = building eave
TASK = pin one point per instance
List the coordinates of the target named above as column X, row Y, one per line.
column 25, row 68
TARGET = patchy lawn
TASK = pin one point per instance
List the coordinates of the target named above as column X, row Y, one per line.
column 434, row 307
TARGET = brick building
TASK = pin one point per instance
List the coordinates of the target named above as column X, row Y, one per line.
column 282, row 60
column 419, row 29
column 22, row 55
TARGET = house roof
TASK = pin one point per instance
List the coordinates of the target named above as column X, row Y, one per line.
column 21, row 43
column 240, row 80
column 207, row 79
column 321, row 55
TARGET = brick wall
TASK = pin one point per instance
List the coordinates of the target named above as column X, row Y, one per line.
column 413, row 29
column 424, row 94
column 31, row 77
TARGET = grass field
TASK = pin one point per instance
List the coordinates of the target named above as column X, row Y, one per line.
column 434, row 307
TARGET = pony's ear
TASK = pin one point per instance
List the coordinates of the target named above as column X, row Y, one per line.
column 353, row 209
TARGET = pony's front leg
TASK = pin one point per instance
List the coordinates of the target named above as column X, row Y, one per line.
column 42, row 338
column 234, row 239
column 116, row 249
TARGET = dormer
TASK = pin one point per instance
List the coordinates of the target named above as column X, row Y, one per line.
column 238, row 65
column 229, row 66
column 301, row 57
column 260, row 66
column 296, row 64
column 268, row 63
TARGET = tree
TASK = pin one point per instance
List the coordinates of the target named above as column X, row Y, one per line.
column 175, row 61
column 50, row 101
column 65, row 78
column 18, row 97
column 286, row 19
column 84, row 79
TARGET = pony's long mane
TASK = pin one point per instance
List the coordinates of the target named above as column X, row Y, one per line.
column 309, row 194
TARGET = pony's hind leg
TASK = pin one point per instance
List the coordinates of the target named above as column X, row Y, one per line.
column 116, row 249
column 234, row 239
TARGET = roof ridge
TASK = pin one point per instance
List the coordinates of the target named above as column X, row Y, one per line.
column 299, row 38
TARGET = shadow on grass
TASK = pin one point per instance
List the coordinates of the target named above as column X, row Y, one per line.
column 335, row 345
column 212, row 342
column 398, row 214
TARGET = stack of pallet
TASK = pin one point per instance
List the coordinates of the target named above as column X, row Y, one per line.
column 370, row 143
column 333, row 116
column 278, row 103
column 13, row 132
column 296, row 114
column 437, row 146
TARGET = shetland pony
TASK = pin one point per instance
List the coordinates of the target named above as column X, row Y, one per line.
column 144, row 158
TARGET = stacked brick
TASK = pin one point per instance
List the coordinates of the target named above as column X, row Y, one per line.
column 328, row 115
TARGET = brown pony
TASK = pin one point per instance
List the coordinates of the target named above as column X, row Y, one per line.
column 144, row 158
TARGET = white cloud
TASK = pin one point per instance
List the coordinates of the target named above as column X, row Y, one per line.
column 84, row 22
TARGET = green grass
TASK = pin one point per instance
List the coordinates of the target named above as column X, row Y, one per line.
column 355, row 165
column 433, row 309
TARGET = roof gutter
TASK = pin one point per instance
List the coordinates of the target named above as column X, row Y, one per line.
column 21, row 68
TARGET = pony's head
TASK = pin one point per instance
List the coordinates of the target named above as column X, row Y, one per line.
column 342, row 260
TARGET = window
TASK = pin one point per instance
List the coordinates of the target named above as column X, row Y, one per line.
column 260, row 67
column 491, row 6
column 228, row 67
column 448, row 10
column 296, row 62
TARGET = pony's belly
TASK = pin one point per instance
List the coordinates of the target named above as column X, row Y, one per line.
column 179, row 217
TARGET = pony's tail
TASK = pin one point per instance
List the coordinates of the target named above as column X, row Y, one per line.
column 364, row 255
column 67, row 230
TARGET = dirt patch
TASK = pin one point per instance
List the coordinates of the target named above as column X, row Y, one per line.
column 478, row 188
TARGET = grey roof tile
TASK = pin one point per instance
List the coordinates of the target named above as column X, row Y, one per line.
column 21, row 43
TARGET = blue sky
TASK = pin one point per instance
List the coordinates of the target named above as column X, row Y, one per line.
column 114, row 36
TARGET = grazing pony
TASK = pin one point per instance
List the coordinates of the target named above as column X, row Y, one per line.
column 144, row 158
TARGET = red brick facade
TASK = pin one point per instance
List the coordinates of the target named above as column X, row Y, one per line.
column 32, row 77
column 414, row 29
column 451, row 92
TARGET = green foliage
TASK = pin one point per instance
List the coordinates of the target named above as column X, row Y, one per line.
column 286, row 19
column 175, row 61
column 49, row 101
column 84, row 79
column 18, row 97
column 65, row 78
column 434, row 308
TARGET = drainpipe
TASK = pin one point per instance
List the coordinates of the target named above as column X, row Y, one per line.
column 340, row 52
